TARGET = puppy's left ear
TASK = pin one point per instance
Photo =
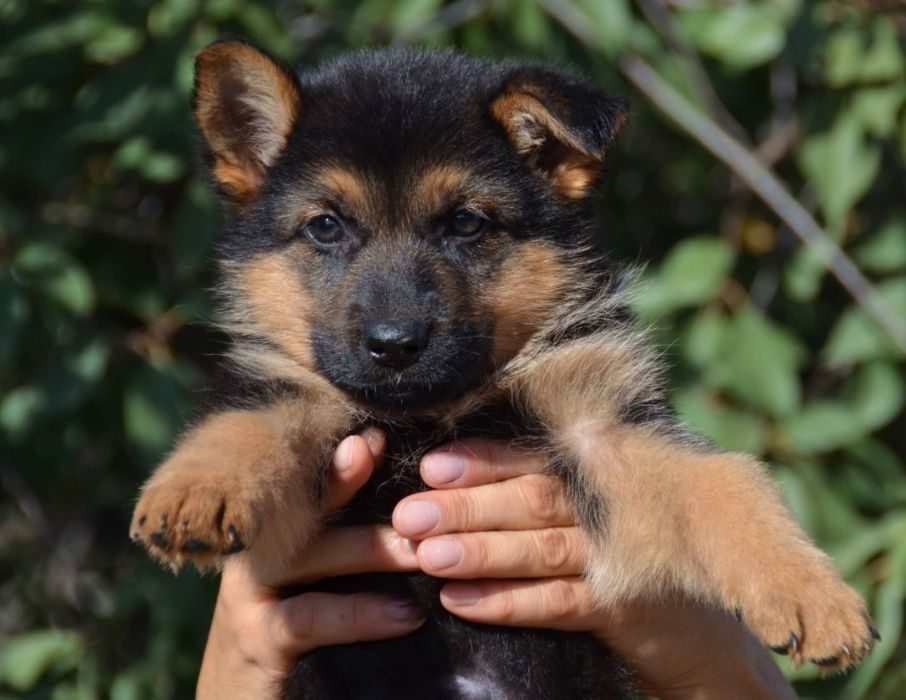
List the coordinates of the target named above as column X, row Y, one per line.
column 246, row 104
column 561, row 125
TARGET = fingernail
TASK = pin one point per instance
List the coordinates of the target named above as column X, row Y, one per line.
column 373, row 437
column 342, row 456
column 441, row 553
column 462, row 594
column 400, row 611
column 418, row 517
column 444, row 466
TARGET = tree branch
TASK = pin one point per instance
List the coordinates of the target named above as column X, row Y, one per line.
column 769, row 188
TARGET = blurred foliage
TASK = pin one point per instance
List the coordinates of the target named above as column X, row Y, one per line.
column 106, row 238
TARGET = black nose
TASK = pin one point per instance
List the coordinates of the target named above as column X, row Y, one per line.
column 396, row 344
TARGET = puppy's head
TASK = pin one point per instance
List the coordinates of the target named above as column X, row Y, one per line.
column 401, row 222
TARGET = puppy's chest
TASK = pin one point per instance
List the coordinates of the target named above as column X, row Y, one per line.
column 407, row 443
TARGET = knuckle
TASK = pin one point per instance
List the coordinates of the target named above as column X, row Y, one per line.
column 294, row 623
column 458, row 512
column 483, row 461
column 559, row 599
column 505, row 606
column 478, row 554
column 359, row 615
column 543, row 499
column 554, row 549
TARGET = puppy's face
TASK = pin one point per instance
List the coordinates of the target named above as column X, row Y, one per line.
column 400, row 222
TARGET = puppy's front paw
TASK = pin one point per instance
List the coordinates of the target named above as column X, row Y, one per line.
column 816, row 618
column 195, row 515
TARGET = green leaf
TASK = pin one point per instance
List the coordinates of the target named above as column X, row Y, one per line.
column 884, row 60
column 166, row 17
column 410, row 16
column 804, row 275
column 741, row 35
column 19, row 406
column 611, row 22
column 826, row 515
column 151, row 411
column 857, row 338
column 72, row 287
column 841, row 165
column 877, row 108
column 531, row 27
column 842, row 57
column 888, row 615
column 693, row 273
column 849, row 58
column 758, row 363
column 129, row 685
column 14, row 310
column 728, row 427
column 872, row 397
column 821, row 426
column 885, row 251
column 59, row 276
column 700, row 343
column 114, row 43
column 25, row 658
column 875, row 395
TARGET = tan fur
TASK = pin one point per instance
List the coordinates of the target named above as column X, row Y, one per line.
column 663, row 512
column 244, row 478
column 241, row 183
column 271, row 300
column 525, row 291
column 333, row 190
column 681, row 517
column 575, row 177
column 435, row 188
column 349, row 187
column 231, row 76
column 530, row 126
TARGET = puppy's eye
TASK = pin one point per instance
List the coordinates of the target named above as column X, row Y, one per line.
column 324, row 231
column 467, row 225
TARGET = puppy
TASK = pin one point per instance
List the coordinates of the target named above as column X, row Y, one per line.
column 409, row 244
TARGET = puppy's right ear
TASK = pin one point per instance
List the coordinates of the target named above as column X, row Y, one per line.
column 246, row 103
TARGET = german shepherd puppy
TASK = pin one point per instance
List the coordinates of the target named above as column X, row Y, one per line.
column 409, row 244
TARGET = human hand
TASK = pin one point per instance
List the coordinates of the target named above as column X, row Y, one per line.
column 505, row 532
column 256, row 636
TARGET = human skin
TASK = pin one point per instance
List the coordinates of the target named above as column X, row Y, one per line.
column 505, row 534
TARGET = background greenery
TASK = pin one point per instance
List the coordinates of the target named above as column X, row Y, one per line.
column 106, row 237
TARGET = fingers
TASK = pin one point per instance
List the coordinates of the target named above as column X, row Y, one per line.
column 551, row 603
column 529, row 502
column 311, row 620
column 474, row 462
column 354, row 550
column 558, row 551
column 354, row 460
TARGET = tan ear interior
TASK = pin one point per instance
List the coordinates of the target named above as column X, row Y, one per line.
column 246, row 105
column 536, row 134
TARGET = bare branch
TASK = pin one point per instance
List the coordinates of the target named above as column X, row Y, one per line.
column 769, row 188
column 658, row 14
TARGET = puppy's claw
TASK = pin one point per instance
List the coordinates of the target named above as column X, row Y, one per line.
column 234, row 542
column 829, row 661
column 159, row 539
column 195, row 546
column 791, row 645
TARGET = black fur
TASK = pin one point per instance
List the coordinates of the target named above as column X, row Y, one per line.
column 386, row 114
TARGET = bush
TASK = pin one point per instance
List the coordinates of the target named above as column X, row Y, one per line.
column 106, row 237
